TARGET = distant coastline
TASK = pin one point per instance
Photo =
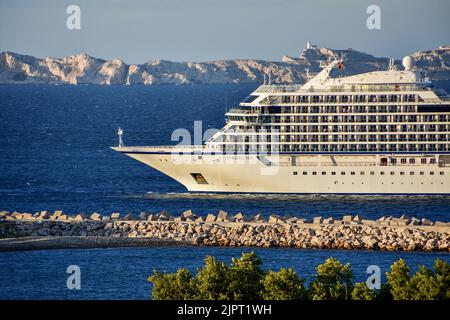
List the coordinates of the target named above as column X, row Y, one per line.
column 84, row 69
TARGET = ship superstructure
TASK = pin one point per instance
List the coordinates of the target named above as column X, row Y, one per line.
column 382, row 132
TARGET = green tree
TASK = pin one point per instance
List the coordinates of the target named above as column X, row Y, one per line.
column 424, row 286
column 283, row 285
column 245, row 275
column 362, row 292
column 399, row 281
column 332, row 281
column 213, row 280
column 173, row 286
column 442, row 274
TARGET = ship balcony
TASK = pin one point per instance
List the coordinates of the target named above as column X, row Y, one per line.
column 240, row 112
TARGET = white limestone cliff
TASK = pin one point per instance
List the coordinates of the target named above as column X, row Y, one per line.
column 84, row 69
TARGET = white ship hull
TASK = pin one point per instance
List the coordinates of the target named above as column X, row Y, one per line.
column 318, row 175
column 381, row 132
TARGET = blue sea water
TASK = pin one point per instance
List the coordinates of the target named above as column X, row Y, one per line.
column 122, row 273
column 54, row 154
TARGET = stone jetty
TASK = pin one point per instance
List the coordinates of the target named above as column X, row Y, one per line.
column 221, row 229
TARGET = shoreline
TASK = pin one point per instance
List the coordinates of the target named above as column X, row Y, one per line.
column 89, row 242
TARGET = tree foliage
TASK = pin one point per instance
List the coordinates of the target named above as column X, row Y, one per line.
column 245, row 279
column 362, row 292
column 283, row 285
column 424, row 285
column 333, row 281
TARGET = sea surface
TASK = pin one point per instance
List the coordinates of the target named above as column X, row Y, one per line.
column 55, row 155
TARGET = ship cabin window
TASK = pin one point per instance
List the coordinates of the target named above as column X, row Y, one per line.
column 383, row 162
column 305, row 173
column 362, row 173
column 393, row 161
column 403, row 161
column 295, row 173
column 411, row 173
column 382, row 173
column 433, row 160
column 412, row 161
column 402, row 173
column 314, row 173
column 423, row 161
column 342, row 173
column 431, row 173
column 441, row 173
column 198, row 177
column 324, row 173
column 422, row 173
column 372, row 173
column 392, row 173
column 352, row 173
column 333, row 173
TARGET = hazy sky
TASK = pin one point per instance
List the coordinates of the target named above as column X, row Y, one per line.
column 200, row 30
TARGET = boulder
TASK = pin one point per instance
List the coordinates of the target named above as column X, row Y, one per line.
column 96, row 216
column 426, row 222
column 328, row 221
column 79, row 217
column 115, row 216
column 441, row 224
column 152, row 217
column 317, row 220
column 258, row 218
column 291, row 220
column 259, row 228
column 187, row 213
column 164, row 216
column 106, row 218
column 357, row 219
column 210, row 218
column 274, row 218
column 58, row 213
column 63, row 217
column 4, row 214
column 27, row 216
column 347, row 219
column 381, row 219
column 222, row 216
column 128, row 217
column 199, row 219
column 143, row 216
column 239, row 217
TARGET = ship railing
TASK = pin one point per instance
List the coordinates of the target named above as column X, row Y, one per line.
column 352, row 164
column 323, row 164
column 298, row 88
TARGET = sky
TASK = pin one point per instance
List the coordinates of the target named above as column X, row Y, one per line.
column 137, row 31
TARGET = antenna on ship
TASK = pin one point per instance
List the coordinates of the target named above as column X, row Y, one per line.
column 392, row 65
column 120, row 134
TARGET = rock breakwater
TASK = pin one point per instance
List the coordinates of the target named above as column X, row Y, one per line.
column 350, row 232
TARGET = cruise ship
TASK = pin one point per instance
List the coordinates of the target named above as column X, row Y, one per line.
column 381, row 132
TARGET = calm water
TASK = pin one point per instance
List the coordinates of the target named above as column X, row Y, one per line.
column 54, row 154
column 122, row 273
